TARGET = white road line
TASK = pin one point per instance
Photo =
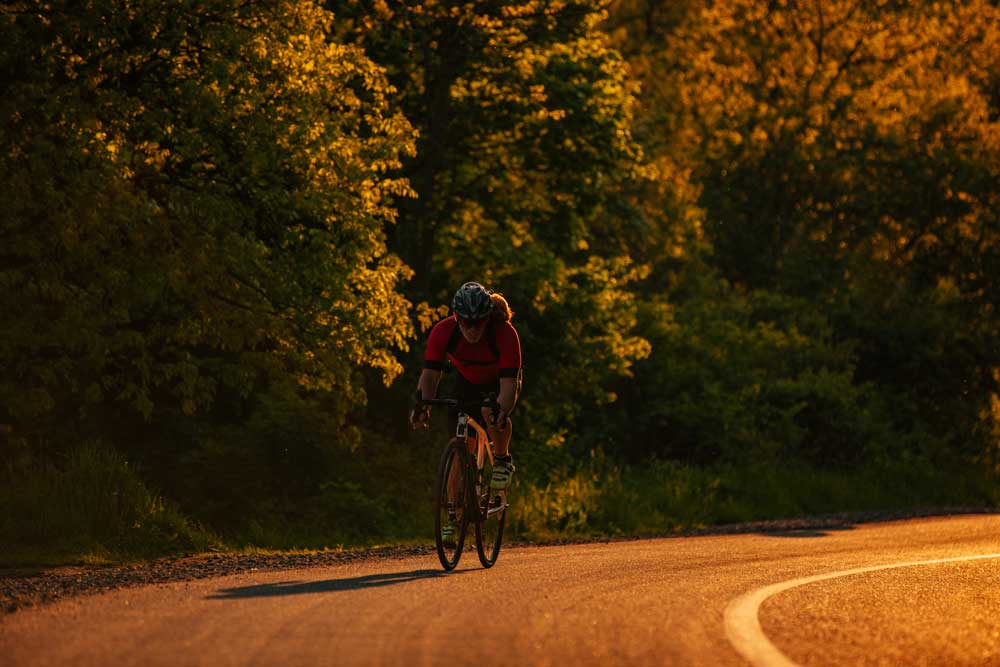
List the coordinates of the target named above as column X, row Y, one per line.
column 743, row 627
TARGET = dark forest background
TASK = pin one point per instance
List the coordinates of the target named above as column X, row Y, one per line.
column 752, row 248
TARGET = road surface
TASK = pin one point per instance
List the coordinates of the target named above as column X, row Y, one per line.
column 916, row 592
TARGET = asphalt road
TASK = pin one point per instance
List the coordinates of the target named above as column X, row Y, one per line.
column 917, row 592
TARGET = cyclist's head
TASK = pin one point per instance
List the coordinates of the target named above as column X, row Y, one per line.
column 472, row 306
column 472, row 302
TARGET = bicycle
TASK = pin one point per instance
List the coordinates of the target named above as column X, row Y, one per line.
column 462, row 490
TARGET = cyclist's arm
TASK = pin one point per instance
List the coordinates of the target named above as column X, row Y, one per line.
column 507, row 397
column 510, row 366
column 428, row 383
column 435, row 357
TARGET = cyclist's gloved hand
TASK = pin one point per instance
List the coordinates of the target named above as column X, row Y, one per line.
column 419, row 413
column 419, row 416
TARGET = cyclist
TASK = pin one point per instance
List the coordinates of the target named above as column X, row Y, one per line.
column 483, row 345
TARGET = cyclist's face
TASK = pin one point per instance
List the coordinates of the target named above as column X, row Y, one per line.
column 472, row 329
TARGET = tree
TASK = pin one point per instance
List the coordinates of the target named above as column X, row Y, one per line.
column 195, row 201
column 845, row 153
column 523, row 168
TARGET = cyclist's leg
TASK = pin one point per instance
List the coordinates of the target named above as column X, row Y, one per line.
column 503, row 462
column 454, row 485
column 500, row 437
column 503, row 467
column 463, row 390
column 452, row 422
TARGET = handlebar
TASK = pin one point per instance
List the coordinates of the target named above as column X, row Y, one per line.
column 488, row 401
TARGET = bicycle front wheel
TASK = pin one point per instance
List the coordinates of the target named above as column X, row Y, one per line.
column 490, row 518
column 451, row 493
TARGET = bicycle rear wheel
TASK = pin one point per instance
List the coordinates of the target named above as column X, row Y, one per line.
column 492, row 506
column 451, row 493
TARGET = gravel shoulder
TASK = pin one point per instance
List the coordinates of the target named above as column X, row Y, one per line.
column 26, row 587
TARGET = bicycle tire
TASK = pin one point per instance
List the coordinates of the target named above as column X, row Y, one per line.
column 450, row 551
column 489, row 522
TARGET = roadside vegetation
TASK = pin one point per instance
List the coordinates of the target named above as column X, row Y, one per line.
column 753, row 250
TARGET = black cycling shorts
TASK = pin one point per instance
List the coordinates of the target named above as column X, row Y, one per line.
column 464, row 390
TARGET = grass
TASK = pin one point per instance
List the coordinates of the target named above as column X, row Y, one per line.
column 602, row 498
column 92, row 508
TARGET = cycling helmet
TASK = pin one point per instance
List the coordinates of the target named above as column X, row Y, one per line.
column 472, row 302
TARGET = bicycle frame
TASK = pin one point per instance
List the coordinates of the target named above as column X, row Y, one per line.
column 483, row 442
column 484, row 446
column 483, row 451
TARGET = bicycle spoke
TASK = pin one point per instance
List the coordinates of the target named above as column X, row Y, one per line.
column 451, row 518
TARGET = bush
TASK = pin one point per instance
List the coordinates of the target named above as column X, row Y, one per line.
column 604, row 498
column 601, row 497
column 738, row 377
column 91, row 500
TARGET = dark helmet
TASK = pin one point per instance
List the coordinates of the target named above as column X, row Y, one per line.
column 472, row 302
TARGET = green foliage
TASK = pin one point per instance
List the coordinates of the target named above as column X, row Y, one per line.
column 845, row 155
column 751, row 378
column 380, row 493
column 603, row 498
column 196, row 196
column 524, row 165
column 93, row 502
column 735, row 235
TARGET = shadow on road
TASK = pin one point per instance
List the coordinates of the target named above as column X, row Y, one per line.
column 806, row 532
column 328, row 586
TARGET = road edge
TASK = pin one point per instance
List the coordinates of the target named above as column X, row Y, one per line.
column 27, row 587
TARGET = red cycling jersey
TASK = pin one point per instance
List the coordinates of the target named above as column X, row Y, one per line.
column 476, row 362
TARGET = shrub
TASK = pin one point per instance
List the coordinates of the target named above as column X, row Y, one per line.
column 90, row 500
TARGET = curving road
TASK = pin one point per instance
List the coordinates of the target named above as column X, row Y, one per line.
column 917, row 592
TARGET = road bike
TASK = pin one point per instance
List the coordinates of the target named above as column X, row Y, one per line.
column 462, row 492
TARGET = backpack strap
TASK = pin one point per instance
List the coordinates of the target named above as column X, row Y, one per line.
column 453, row 339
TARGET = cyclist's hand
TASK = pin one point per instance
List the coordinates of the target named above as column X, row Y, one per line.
column 419, row 416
